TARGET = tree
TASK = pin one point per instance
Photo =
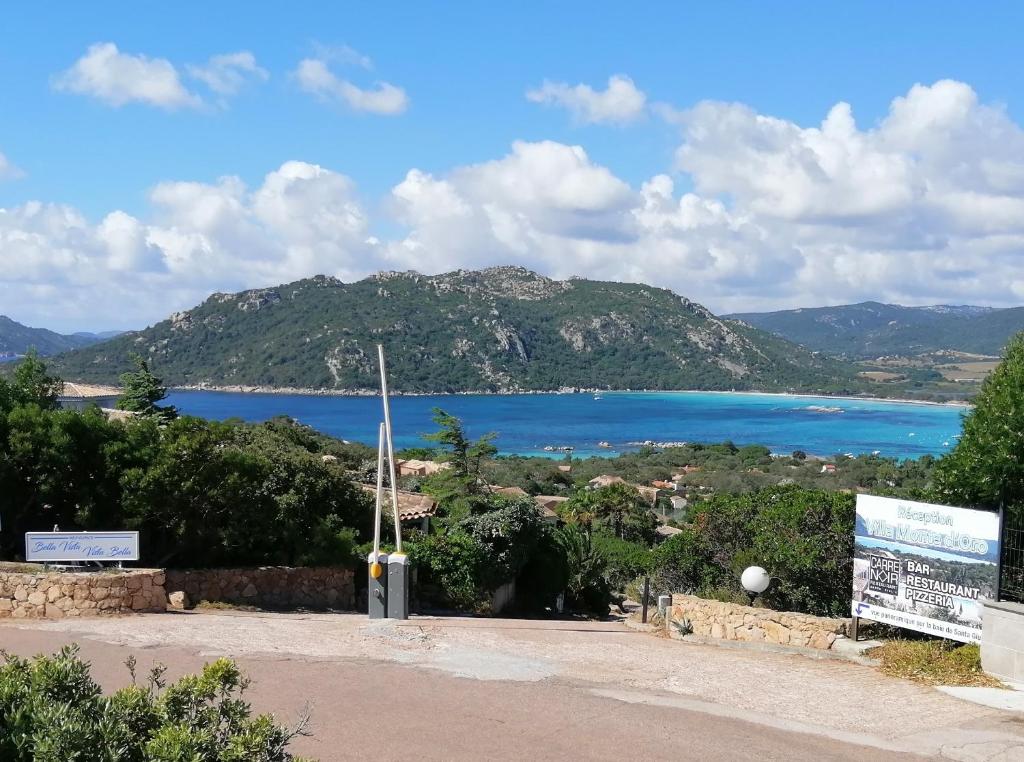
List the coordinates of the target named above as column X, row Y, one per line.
column 619, row 508
column 986, row 467
column 142, row 392
column 459, row 489
column 32, row 383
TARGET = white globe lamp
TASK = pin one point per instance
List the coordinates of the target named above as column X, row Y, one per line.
column 755, row 579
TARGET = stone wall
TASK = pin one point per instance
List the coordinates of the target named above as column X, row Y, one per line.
column 65, row 594
column 266, row 587
column 731, row 621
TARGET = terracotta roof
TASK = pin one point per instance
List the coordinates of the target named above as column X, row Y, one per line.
column 88, row 391
column 411, row 505
column 605, row 480
column 509, row 491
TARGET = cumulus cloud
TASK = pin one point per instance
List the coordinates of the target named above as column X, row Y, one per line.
column 923, row 207
column 200, row 237
column 228, row 73
column 8, row 171
column 118, row 78
column 314, row 76
column 621, row 102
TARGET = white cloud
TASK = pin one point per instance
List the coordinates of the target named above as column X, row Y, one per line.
column 57, row 268
column 383, row 98
column 118, row 78
column 925, row 207
column 620, row 102
column 8, row 171
column 228, row 73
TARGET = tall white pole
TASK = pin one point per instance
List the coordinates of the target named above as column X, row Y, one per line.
column 380, row 493
column 391, row 448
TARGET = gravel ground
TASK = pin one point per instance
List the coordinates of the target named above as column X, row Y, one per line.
column 831, row 701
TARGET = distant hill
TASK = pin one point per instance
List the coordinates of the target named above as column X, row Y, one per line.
column 500, row 329
column 17, row 339
column 871, row 329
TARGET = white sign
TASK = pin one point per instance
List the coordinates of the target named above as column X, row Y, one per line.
column 81, row 546
column 924, row 567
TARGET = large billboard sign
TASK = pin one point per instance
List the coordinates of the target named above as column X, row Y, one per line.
column 81, row 546
column 924, row 567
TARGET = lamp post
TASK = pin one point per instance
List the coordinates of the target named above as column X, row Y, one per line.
column 755, row 581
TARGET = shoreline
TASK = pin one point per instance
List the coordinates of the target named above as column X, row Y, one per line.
column 308, row 392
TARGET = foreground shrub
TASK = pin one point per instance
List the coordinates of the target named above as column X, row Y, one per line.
column 51, row 710
column 935, row 662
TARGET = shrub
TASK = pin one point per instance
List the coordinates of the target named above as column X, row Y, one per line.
column 51, row 710
column 453, row 561
column 624, row 560
column 804, row 538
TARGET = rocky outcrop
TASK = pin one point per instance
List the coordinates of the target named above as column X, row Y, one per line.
column 730, row 621
column 55, row 595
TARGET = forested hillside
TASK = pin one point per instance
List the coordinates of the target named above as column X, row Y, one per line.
column 501, row 329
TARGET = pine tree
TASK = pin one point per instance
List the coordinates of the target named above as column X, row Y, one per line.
column 142, row 392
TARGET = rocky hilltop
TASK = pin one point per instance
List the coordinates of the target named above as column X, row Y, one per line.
column 499, row 329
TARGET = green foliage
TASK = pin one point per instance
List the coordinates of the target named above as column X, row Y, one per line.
column 200, row 493
column 459, row 489
column 455, row 562
column 618, row 508
column 986, row 466
column 804, row 538
column 624, row 560
column 51, row 710
column 510, row 534
column 142, row 392
column 587, row 589
column 465, row 331
column 32, row 384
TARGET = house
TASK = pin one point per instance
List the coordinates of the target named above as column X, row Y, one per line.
column 565, row 469
column 650, row 494
column 412, row 506
column 605, row 480
column 828, row 468
column 419, row 467
column 665, row 531
column 509, row 491
column 678, row 503
column 663, row 484
column 80, row 396
column 547, row 506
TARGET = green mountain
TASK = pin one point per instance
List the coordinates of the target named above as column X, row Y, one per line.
column 503, row 328
column 871, row 329
column 17, row 339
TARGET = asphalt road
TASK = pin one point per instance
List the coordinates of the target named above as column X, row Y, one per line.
column 500, row 689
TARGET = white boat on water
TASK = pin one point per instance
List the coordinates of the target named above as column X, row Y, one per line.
column 604, row 444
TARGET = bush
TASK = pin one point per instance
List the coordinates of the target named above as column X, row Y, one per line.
column 804, row 538
column 51, row 710
column 624, row 560
column 454, row 562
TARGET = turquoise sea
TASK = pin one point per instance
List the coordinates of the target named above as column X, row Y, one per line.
column 526, row 424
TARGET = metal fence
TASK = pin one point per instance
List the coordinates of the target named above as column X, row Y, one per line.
column 1011, row 586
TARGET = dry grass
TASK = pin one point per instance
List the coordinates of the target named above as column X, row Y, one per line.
column 933, row 662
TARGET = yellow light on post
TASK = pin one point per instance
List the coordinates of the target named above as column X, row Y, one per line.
column 376, row 570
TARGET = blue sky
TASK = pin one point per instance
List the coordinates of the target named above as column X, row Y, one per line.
column 464, row 71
